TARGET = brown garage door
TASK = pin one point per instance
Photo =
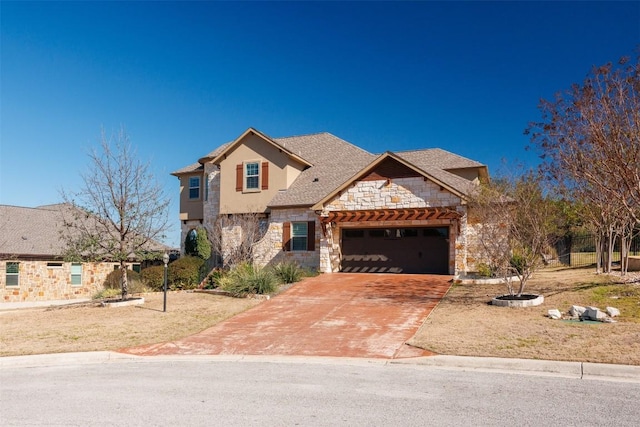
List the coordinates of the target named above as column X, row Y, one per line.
column 396, row 250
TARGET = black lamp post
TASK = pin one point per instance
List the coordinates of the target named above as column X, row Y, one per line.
column 165, row 259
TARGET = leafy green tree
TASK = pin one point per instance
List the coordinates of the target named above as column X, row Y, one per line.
column 197, row 243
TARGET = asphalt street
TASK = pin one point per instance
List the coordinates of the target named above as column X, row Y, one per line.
column 302, row 391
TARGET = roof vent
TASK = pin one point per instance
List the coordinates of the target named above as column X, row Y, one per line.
column 315, row 180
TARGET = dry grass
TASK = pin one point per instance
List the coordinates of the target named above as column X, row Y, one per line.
column 92, row 328
column 465, row 324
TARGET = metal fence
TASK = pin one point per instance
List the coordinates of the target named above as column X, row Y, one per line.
column 580, row 250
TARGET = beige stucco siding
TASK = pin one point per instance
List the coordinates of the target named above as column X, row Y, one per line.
column 190, row 209
column 282, row 171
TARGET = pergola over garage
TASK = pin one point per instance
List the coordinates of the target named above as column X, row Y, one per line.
column 416, row 240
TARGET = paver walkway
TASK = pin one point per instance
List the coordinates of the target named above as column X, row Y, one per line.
column 340, row 315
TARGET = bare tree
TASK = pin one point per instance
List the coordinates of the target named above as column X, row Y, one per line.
column 589, row 139
column 515, row 226
column 234, row 237
column 120, row 211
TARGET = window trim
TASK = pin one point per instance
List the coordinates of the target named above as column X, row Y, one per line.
column 246, row 176
column 190, row 187
column 72, row 274
column 16, row 274
column 300, row 236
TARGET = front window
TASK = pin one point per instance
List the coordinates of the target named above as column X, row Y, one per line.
column 13, row 272
column 194, row 187
column 252, row 175
column 76, row 274
column 299, row 236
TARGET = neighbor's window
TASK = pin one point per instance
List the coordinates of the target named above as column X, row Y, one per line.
column 194, row 187
column 76, row 274
column 252, row 175
column 13, row 272
column 299, row 236
column 136, row 268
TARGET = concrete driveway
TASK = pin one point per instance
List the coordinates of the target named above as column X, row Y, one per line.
column 340, row 315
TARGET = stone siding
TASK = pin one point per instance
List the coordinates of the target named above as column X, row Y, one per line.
column 39, row 282
column 269, row 250
column 400, row 193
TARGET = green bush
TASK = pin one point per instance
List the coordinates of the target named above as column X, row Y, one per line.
column 214, row 278
column 108, row 294
column 518, row 263
column 246, row 279
column 114, row 281
column 184, row 273
column 485, row 270
column 288, row 272
column 153, row 277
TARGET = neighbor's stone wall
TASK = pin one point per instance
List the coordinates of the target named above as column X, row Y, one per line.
column 39, row 282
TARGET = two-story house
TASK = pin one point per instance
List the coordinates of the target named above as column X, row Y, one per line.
column 330, row 205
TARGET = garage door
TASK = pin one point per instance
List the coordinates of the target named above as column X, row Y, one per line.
column 396, row 250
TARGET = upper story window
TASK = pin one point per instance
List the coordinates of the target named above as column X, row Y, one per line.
column 252, row 175
column 194, row 187
column 13, row 273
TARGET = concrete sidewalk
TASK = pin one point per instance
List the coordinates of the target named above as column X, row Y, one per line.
column 40, row 304
column 577, row 370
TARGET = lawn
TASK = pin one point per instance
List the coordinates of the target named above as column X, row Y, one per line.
column 91, row 328
column 465, row 324
column 462, row 324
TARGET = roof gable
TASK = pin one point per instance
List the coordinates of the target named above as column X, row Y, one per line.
column 219, row 156
column 392, row 164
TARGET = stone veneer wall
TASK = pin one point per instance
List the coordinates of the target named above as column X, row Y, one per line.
column 38, row 282
column 400, row 193
column 269, row 250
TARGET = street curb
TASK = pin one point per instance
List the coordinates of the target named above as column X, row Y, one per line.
column 59, row 359
column 579, row 370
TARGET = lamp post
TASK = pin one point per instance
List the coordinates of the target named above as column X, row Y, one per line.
column 165, row 259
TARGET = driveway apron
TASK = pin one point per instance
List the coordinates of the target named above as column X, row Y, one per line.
column 338, row 315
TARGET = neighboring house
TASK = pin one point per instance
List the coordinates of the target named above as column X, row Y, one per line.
column 332, row 206
column 32, row 267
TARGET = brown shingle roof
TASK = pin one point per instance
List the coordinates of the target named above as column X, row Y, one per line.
column 36, row 232
column 31, row 231
column 334, row 162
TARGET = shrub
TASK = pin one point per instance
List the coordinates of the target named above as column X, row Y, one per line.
column 114, row 281
column 485, row 270
column 518, row 262
column 246, row 279
column 184, row 273
column 214, row 278
column 288, row 272
column 108, row 293
column 153, row 277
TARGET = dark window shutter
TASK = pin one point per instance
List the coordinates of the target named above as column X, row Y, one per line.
column 239, row 177
column 265, row 175
column 286, row 236
column 311, row 236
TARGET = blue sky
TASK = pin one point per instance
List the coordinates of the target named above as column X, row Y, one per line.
column 186, row 77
